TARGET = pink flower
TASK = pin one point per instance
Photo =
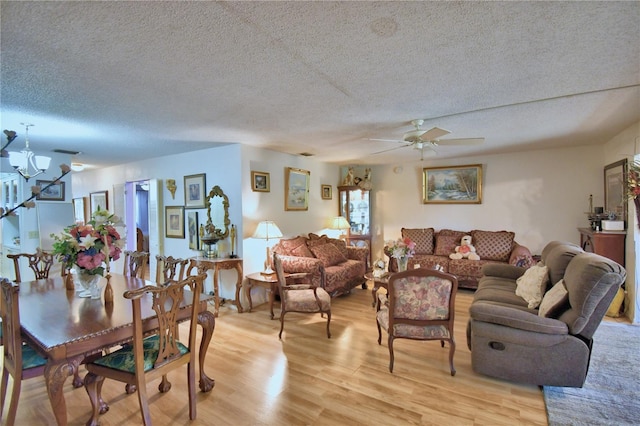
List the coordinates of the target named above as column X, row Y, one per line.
column 88, row 261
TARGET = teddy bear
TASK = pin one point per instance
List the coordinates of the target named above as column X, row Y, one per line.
column 465, row 250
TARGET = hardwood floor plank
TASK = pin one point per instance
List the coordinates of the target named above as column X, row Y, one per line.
column 307, row 379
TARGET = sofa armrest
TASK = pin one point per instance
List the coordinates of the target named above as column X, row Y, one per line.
column 512, row 317
column 502, row 270
column 521, row 256
column 358, row 253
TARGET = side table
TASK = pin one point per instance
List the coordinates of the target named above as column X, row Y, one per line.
column 202, row 264
column 269, row 282
column 378, row 282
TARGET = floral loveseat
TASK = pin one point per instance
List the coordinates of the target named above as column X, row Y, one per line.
column 332, row 264
column 433, row 248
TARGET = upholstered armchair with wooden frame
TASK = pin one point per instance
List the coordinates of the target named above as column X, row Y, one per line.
column 135, row 263
column 169, row 268
column 420, row 306
column 154, row 356
column 300, row 297
column 20, row 361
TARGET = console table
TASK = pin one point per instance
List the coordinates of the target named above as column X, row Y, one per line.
column 202, row 264
column 609, row 244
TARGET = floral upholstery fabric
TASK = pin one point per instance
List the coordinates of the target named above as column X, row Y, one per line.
column 31, row 358
column 423, row 237
column 337, row 275
column 412, row 331
column 124, row 360
column 493, row 245
column 446, row 244
column 328, row 254
column 428, row 261
column 292, row 247
column 305, row 301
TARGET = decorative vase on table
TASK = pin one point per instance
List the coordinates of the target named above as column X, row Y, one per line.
column 89, row 283
column 402, row 263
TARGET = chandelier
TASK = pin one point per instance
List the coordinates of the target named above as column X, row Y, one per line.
column 26, row 162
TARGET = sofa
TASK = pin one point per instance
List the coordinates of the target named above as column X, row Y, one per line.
column 330, row 262
column 536, row 326
column 434, row 247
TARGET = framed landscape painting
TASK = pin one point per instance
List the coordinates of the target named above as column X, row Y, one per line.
column 260, row 181
column 296, row 189
column 452, row 185
column 50, row 191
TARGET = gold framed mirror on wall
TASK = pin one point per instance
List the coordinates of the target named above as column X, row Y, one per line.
column 217, row 226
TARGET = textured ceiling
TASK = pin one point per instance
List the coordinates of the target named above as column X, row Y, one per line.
column 121, row 81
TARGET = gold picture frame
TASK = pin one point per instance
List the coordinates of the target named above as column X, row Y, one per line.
column 174, row 221
column 98, row 199
column 195, row 189
column 615, row 189
column 296, row 189
column 50, row 190
column 260, row 181
column 452, row 184
column 325, row 192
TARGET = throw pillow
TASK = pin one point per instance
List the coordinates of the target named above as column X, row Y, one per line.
column 493, row 245
column 554, row 301
column 423, row 237
column 446, row 244
column 301, row 251
column 317, row 241
column 340, row 245
column 287, row 247
column 532, row 284
column 328, row 254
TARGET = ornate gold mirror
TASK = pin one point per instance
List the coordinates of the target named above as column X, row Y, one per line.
column 217, row 226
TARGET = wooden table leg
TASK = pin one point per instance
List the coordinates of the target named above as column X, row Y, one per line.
column 238, row 303
column 272, row 291
column 216, row 292
column 247, row 292
column 208, row 322
column 55, row 375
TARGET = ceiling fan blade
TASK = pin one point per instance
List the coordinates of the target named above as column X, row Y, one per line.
column 468, row 141
column 434, row 133
column 390, row 149
column 384, row 140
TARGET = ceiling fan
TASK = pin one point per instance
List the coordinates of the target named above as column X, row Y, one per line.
column 419, row 138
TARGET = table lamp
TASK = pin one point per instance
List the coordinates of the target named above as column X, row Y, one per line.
column 267, row 229
column 339, row 222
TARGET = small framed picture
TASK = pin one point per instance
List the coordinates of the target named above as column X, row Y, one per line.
column 174, row 221
column 326, row 192
column 194, row 192
column 192, row 227
column 260, row 181
column 98, row 200
column 50, row 191
column 78, row 210
column 296, row 189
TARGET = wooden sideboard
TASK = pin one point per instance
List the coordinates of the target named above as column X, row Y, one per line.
column 605, row 243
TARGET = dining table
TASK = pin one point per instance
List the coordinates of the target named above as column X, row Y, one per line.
column 67, row 329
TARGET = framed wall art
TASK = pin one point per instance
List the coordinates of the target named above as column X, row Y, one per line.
column 296, row 189
column 98, row 199
column 452, row 185
column 50, row 191
column 192, row 233
column 78, row 210
column 260, row 181
column 615, row 189
column 326, row 192
column 174, row 221
column 194, row 192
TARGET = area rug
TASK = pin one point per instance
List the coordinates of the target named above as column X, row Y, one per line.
column 610, row 393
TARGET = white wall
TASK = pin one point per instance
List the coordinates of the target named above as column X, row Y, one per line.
column 540, row 195
column 221, row 166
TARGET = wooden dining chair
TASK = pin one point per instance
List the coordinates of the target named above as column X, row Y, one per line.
column 154, row 356
column 420, row 306
column 135, row 263
column 300, row 297
column 169, row 268
column 20, row 361
column 40, row 263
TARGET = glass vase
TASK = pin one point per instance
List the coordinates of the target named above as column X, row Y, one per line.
column 89, row 284
column 402, row 263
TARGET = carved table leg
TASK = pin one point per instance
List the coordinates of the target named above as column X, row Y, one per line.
column 55, row 375
column 238, row 303
column 208, row 322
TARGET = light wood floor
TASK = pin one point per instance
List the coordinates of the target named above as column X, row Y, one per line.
column 307, row 379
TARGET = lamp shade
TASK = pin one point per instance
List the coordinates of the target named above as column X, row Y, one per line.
column 267, row 229
column 339, row 222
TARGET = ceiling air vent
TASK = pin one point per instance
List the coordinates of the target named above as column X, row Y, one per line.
column 66, row 151
column 306, row 154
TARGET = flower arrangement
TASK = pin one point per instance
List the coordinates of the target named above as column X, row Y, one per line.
column 88, row 246
column 402, row 247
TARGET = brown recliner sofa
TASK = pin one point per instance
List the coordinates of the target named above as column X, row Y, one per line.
column 512, row 342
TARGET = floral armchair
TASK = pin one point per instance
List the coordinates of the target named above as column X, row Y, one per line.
column 420, row 306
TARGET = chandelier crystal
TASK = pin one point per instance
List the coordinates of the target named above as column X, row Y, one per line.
column 26, row 162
